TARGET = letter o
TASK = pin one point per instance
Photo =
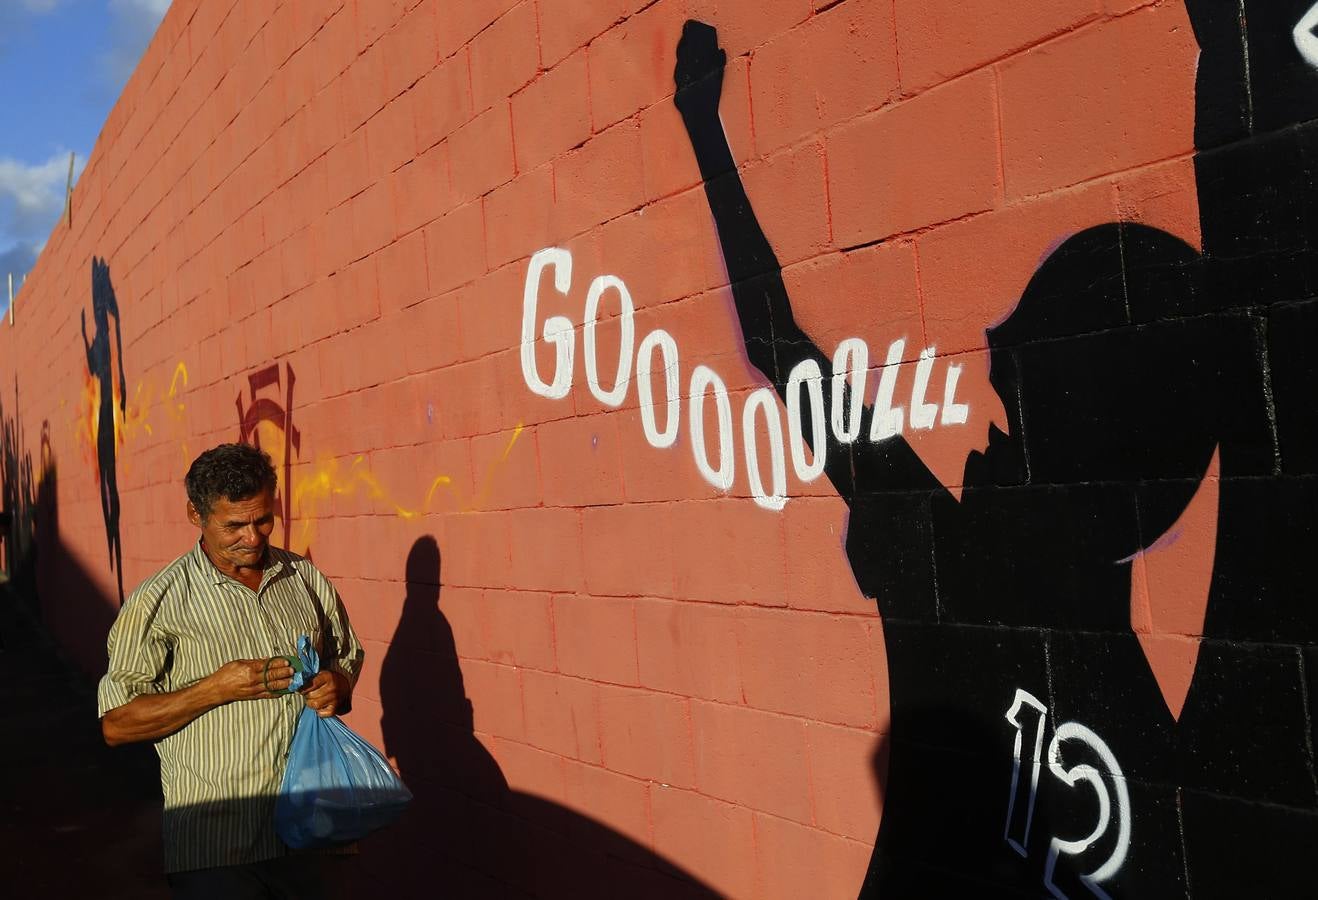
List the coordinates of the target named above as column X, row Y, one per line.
column 702, row 379
column 645, row 393
column 626, row 344
column 851, row 357
column 807, row 372
column 765, row 399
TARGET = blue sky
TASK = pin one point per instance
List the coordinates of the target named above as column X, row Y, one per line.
column 62, row 65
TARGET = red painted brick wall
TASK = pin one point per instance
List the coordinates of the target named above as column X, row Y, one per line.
column 349, row 193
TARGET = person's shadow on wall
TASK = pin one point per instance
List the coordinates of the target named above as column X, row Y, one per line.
column 466, row 833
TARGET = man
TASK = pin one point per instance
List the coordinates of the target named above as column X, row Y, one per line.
column 198, row 665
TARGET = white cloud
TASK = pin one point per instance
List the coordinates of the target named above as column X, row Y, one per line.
column 40, row 6
column 31, row 202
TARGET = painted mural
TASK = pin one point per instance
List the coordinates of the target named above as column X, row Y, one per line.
column 1134, row 369
column 730, row 506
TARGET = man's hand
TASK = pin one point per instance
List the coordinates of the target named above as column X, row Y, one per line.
column 325, row 692
column 251, row 679
column 699, row 71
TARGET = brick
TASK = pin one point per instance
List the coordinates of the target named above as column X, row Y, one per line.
column 432, row 336
column 551, row 115
column 882, row 298
column 349, row 168
column 372, row 220
column 677, row 230
column 688, row 649
column 712, row 840
column 490, row 311
column 790, row 195
column 795, row 861
column 600, row 180
column 514, row 481
column 1162, row 196
column 443, row 102
column 390, row 137
column 421, row 190
column 847, row 772
column 567, row 25
column 596, row 638
column 617, row 563
column 668, row 164
column 455, row 247
column 561, row 716
column 646, row 735
column 410, row 48
column 819, row 576
column 482, row 154
column 374, row 18
column 619, row 803
column 731, row 763
column 309, row 190
column 365, row 87
column 626, row 72
column 496, row 698
column 927, row 160
column 476, row 550
column 580, row 461
column 402, row 272
column 505, row 56
column 297, row 258
column 1061, row 126
column 458, row 23
column 530, row 770
column 518, row 630
column 731, row 551
column 944, row 38
column 836, row 66
column 460, row 608
column 829, row 678
column 520, row 216
column 325, row 118
column 546, row 549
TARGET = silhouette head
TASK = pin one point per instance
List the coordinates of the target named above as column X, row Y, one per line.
column 103, row 301
column 1107, row 381
column 1257, row 73
column 422, row 573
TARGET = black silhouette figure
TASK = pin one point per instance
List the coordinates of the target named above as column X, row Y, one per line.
column 466, row 832
column 1031, row 752
column 100, row 364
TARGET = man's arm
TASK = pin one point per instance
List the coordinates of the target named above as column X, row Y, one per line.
column 149, row 717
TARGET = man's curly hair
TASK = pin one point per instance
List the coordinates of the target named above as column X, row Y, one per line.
column 229, row 471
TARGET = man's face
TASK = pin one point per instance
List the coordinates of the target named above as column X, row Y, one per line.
column 236, row 532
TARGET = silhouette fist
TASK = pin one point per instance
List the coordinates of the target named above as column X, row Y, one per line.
column 699, row 71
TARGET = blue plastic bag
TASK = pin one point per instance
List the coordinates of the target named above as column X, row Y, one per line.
column 337, row 787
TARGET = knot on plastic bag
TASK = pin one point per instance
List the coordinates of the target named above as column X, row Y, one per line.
column 310, row 660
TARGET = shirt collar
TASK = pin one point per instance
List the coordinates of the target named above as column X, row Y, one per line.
column 203, row 566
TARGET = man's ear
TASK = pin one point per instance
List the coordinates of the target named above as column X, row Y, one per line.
column 193, row 516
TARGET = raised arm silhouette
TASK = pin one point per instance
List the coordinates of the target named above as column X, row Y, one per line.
column 100, row 364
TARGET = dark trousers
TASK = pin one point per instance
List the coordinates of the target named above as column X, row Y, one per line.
column 301, row 877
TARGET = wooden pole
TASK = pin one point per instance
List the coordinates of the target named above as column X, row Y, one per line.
column 68, row 192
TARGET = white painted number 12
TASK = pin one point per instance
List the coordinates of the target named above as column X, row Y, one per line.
column 1028, row 715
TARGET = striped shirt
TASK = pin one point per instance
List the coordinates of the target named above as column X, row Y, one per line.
column 220, row 774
